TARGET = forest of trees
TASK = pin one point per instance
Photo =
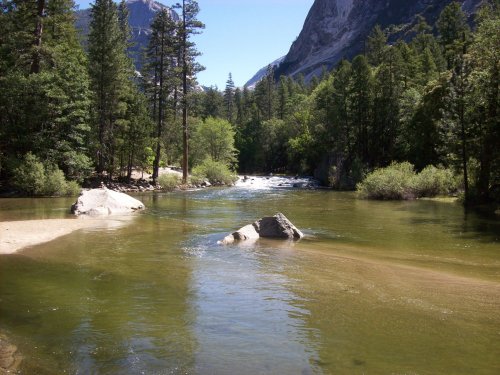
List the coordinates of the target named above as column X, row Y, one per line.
column 88, row 112
column 430, row 99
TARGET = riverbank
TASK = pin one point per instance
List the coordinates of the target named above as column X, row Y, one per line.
column 17, row 235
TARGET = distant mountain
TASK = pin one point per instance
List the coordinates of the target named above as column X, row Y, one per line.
column 262, row 72
column 336, row 29
column 141, row 14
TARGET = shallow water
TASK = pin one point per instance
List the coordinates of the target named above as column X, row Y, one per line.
column 374, row 288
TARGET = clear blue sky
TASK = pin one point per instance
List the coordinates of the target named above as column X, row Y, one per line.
column 242, row 36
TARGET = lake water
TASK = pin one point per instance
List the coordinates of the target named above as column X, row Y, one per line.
column 373, row 288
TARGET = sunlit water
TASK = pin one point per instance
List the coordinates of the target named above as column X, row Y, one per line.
column 374, row 288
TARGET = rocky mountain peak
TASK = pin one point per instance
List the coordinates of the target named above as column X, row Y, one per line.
column 336, row 29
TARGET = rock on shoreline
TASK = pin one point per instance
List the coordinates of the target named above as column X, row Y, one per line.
column 277, row 226
column 97, row 202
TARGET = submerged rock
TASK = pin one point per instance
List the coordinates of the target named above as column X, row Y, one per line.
column 10, row 359
column 277, row 226
column 105, row 202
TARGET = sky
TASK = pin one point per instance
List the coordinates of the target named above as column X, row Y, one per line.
column 243, row 36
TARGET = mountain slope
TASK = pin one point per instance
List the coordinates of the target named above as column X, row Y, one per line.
column 262, row 72
column 336, row 29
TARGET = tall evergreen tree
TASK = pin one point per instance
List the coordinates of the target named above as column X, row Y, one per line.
column 453, row 30
column 361, row 103
column 161, row 72
column 189, row 26
column 376, row 45
column 109, row 70
column 229, row 98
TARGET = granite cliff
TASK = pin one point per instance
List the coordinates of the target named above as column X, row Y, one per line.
column 336, row 29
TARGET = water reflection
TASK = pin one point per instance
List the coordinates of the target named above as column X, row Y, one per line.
column 375, row 287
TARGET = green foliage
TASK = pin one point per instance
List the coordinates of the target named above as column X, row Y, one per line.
column 33, row 178
column 399, row 182
column 432, row 181
column 216, row 172
column 169, row 181
column 73, row 189
column 54, row 182
column 29, row 177
column 214, row 138
column 393, row 182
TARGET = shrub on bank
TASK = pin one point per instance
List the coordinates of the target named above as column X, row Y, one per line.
column 169, row 181
column 216, row 172
column 33, row 178
column 399, row 181
column 432, row 181
column 29, row 176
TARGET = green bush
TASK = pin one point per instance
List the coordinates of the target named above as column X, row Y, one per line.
column 196, row 180
column 434, row 181
column 33, row 178
column 73, row 189
column 29, row 176
column 393, row 182
column 216, row 172
column 55, row 183
column 399, row 181
column 169, row 181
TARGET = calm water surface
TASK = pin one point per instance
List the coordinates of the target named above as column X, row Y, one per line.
column 374, row 288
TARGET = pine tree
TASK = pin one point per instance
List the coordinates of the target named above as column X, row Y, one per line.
column 283, row 96
column 161, row 71
column 229, row 98
column 389, row 84
column 109, row 71
column 456, row 121
column 189, row 26
column 376, row 45
column 453, row 30
column 361, row 103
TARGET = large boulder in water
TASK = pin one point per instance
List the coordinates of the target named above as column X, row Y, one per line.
column 105, row 202
column 277, row 226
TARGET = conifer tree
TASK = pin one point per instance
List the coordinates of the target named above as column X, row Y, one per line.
column 161, row 72
column 376, row 45
column 229, row 98
column 361, row 103
column 189, row 25
column 109, row 70
column 453, row 30
column 283, row 96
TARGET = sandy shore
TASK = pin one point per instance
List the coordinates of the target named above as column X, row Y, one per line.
column 16, row 235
